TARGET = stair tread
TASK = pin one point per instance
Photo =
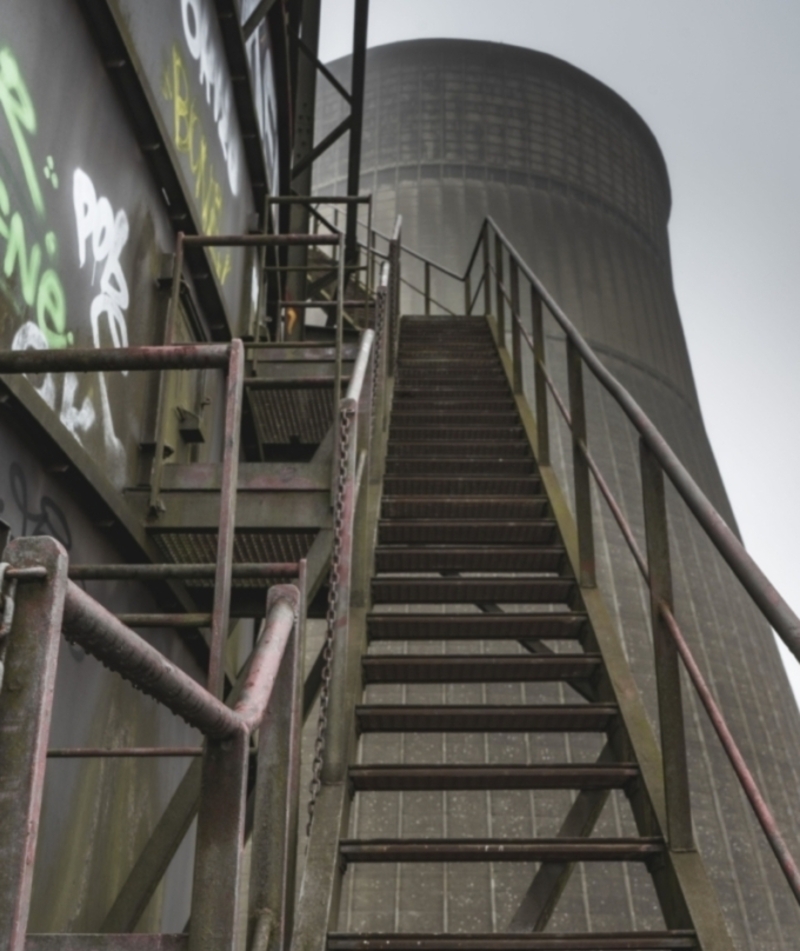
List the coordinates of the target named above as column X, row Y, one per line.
column 501, row 850
column 544, row 626
column 482, row 668
column 465, row 718
column 550, row 941
column 384, row 777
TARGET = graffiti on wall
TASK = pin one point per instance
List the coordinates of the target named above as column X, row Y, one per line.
column 31, row 276
column 191, row 141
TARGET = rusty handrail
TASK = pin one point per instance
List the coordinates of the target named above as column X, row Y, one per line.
column 100, row 633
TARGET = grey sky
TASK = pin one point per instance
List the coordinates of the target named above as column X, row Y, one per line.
column 719, row 85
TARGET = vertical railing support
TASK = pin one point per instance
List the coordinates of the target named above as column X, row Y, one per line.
column 220, row 612
column 539, row 381
column 468, row 295
column 219, row 844
column 427, row 288
column 276, row 794
column 670, row 708
column 487, row 271
column 580, row 467
column 26, row 705
column 516, row 317
column 501, row 302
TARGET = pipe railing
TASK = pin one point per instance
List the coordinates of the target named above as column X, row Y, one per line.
column 46, row 606
column 491, row 252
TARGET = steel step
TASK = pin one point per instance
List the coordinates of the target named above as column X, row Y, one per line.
column 514, row 449
column 410, row 718
column 585, row 941
column 541, row 531
column 472, row 590
column 416, row 402
column 412, row 419
column 477, row 466
column 508, row 559
column 394, row 778
column 564, row 626
column 500, row 850
column 467, row 507
column 418, row 485
column 447, row 433
column 492, row 389
column 479, row 668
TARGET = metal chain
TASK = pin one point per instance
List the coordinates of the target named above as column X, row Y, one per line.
column 347, row 415
column 8, row 591
column 377, row 351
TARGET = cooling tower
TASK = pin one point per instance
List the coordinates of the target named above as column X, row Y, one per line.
column 455, row 130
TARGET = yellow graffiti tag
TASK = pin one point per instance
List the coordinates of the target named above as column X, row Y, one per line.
column 191, row 141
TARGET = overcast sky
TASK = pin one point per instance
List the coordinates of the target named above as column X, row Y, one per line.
column 718, row 82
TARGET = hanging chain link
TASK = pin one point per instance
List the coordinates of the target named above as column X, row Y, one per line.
column 346, row 418
column 8, row 590
column 377, row 351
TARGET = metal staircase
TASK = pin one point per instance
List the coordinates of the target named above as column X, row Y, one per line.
column 478, row 720
column 466, row 531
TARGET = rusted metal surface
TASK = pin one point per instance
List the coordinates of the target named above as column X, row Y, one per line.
column 87, row 752
column 276, row 795
column 98, row 632
column 26, row 703
column 266, row 660
column 185, row 572
column 486, row 668
column 187, row 356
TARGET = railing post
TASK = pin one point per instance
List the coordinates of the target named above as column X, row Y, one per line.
column 468, row 295
column 276, row 793
column 580, row 467
column 220, row 615
column 516, row 317
column 427, row 288
column 487, row 271
column 501, row 303
column 26, row 706
column 219, row 844
column 668, row 683
column 540, row 383
column 340, row 281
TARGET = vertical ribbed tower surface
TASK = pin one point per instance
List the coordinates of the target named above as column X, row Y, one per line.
column 455, row 130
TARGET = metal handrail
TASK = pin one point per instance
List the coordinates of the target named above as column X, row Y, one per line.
column 774, row 607
column 655, row 571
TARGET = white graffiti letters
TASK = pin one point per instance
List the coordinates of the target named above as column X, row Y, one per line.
column 214, row 78
column 107, row 234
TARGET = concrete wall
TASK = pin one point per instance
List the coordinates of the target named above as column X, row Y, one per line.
column 455, row 130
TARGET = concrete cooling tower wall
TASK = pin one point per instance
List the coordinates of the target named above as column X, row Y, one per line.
column 455, row 130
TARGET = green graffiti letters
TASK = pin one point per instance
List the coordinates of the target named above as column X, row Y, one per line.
column 21, row 117
column 46, row 292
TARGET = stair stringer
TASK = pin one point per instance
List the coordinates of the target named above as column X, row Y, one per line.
column 686, row 894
